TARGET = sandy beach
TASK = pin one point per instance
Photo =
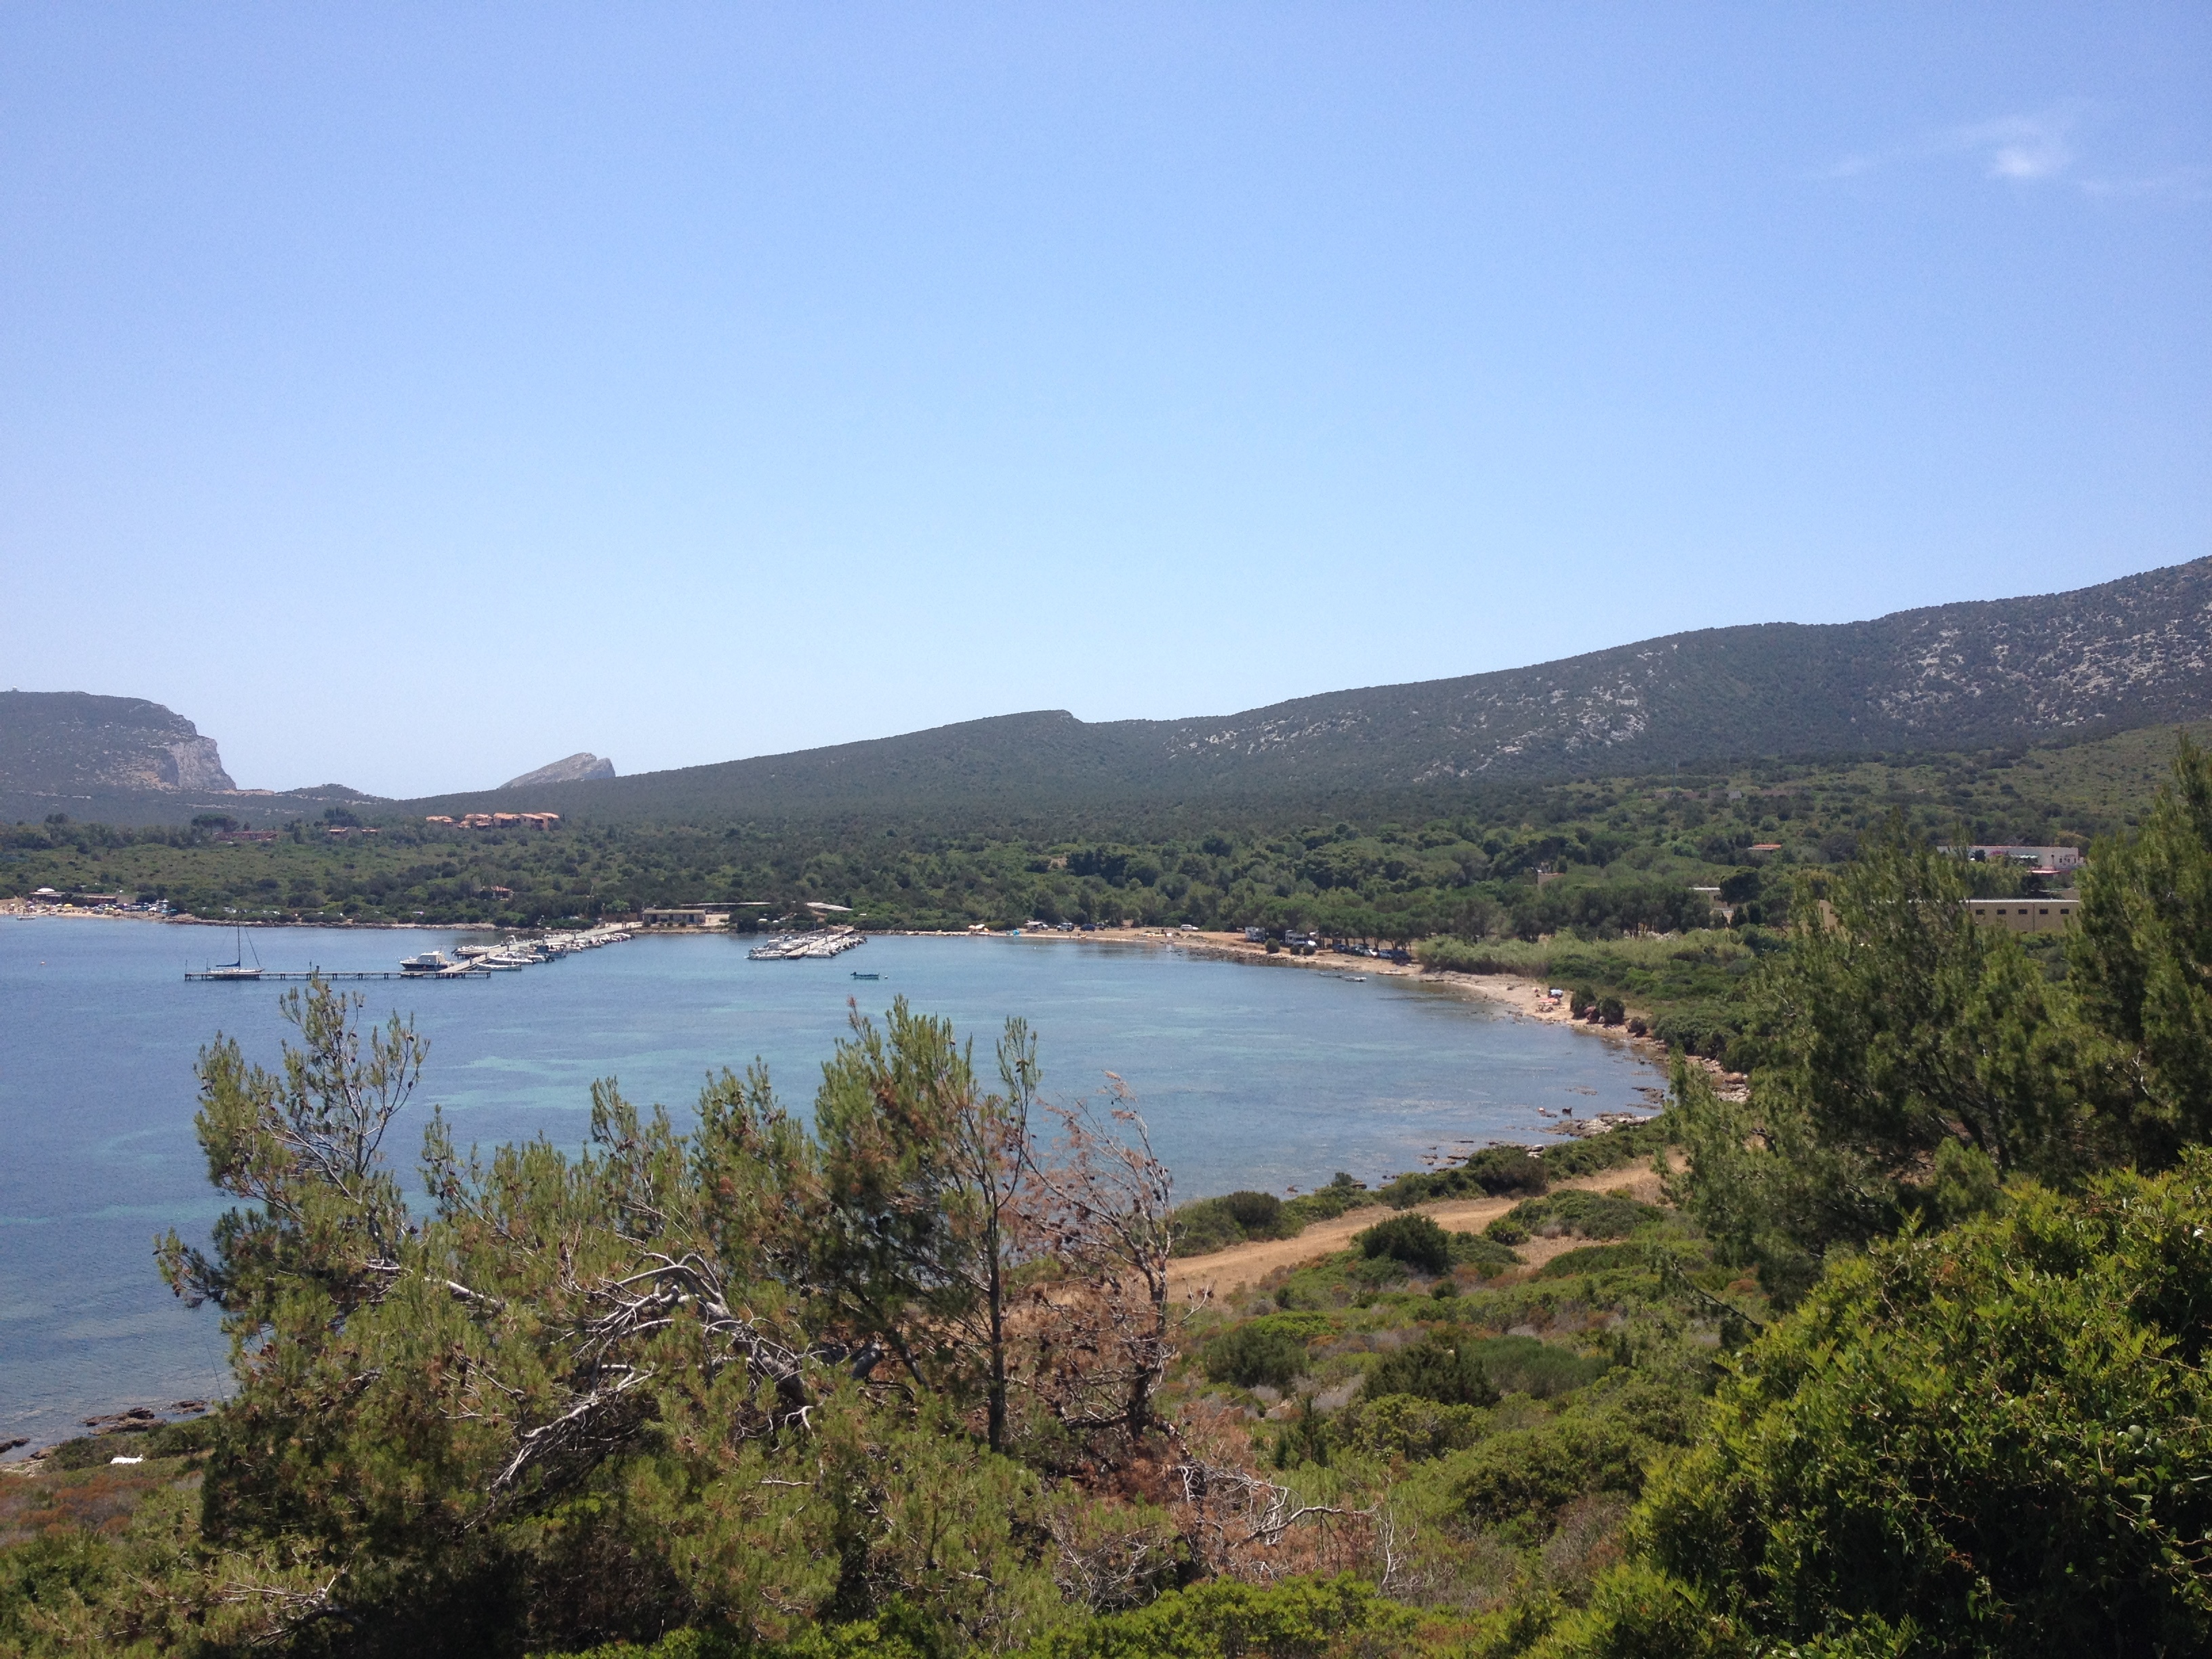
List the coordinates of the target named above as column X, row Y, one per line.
column 1527, row 999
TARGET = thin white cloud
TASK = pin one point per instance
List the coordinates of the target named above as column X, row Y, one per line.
column 2023, row 148
column 2020, row 146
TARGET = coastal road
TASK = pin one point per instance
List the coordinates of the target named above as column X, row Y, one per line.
column 1225, row 1271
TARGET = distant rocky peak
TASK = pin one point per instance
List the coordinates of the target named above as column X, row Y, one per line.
column 71, row 742
column 576, row 768
column 191, row 763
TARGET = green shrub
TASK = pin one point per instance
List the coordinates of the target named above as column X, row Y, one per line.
column 702, row 1644
column 1535, row 1473
column 1563, row 960
column 1413, row 1239
column 1543, row 1371
column 898, row 1632
column 2000, row 1434
column 1485, row 1255
column 1403, row 1426
column 1270, row 1351
column 51, row 1573
column 1215, row 1224
column 1324, row 1204
column 1223, row 1618
column 1583, row 1215
column 1208, row 1225
column 1203, row 1227
column 1594, row 1259
column 1258, row 1213
column 1432, row 1369
column 1697, row 1029
column 1376, row 1272
column 1491, row 1173
column 1630, row 1143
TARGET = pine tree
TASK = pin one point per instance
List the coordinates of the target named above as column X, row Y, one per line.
column 2143, row 961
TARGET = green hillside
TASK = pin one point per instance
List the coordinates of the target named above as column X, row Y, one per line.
column 2005, row 673
column 2009, row 673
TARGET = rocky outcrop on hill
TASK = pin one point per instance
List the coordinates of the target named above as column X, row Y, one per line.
column 2128, row 652
column 71, row 742
column 576, row 768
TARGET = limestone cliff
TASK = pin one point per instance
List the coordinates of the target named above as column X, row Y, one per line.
column 71, row 742
column 576, row 768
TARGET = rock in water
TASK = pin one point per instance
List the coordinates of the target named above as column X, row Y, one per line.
column 577, row 768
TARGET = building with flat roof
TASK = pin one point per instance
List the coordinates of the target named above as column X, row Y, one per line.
column 2050, row 860
column 2025, row 916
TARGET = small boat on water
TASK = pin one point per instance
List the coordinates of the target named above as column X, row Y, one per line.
column 860, row 975
column 429, row 962
column 236, row 969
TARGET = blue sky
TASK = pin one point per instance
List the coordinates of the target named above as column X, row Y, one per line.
column 413, row 395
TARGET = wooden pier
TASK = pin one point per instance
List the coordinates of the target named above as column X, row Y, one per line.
column 263, row 979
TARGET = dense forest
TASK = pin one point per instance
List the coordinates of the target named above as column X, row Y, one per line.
column 1901, row 1353
column 1623, row 855
column 1593, row 870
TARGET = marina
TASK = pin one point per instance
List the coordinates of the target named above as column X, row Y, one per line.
column 314, row 973
column 467, row 962
column 808, row 947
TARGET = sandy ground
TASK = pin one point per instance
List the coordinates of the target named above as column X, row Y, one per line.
column 1225, row 1271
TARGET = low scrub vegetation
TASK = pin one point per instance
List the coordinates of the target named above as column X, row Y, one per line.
column 1911, row 1361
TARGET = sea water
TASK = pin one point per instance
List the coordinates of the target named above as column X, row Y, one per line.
column 1248, row 1075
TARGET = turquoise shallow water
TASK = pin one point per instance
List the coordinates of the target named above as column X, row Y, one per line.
column 1248, row 1075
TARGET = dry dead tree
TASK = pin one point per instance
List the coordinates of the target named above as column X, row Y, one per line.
column 1246, row 1526
column 1099, row 1211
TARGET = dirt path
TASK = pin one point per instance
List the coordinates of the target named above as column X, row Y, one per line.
column 1248, row 1264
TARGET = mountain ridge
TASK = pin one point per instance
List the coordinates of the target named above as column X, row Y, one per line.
column 1975, row 674
column 1981, row 673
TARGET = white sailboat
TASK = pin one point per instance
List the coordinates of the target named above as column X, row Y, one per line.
column 236, row 968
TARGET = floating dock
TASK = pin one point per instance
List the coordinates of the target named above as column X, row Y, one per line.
column 808, row 947
column 477, row 961
column 263, row 979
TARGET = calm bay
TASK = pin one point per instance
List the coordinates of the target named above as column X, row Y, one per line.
column 1267, row 1078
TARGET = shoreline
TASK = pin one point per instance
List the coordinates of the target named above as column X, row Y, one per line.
column 1249, row 1261
column 1524, row 998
